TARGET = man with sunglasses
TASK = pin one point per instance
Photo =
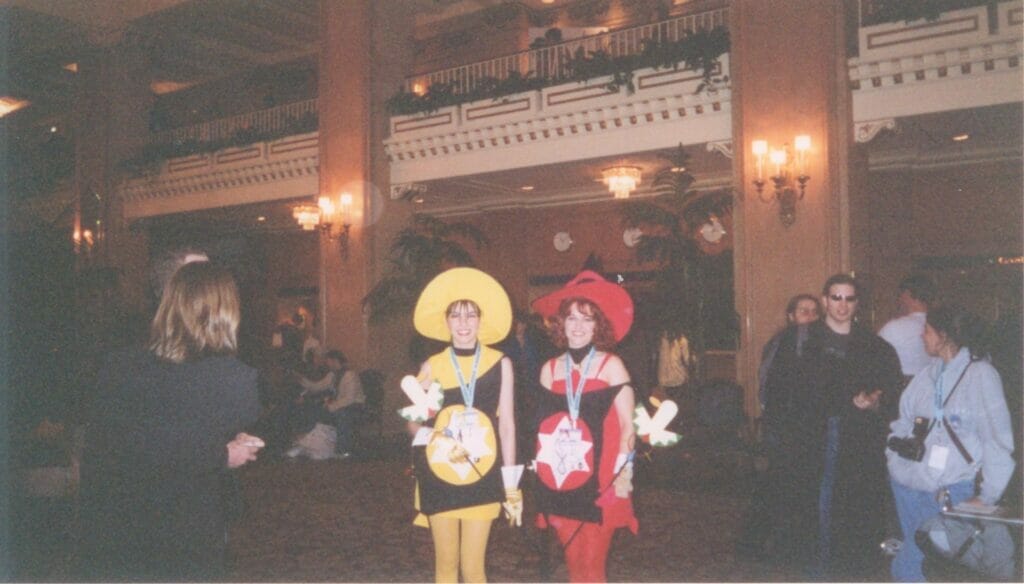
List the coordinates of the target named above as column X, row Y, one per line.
column 829, row 395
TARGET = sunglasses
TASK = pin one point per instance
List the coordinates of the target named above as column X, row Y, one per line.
column 840, row 298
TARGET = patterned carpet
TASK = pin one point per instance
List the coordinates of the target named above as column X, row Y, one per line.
column 348, row 521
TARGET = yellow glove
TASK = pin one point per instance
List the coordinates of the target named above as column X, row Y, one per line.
column 513, row 506
column 624, row 482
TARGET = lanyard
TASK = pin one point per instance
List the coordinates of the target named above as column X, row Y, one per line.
column 467, row 389
column 939, row 402
column 938, row 392
column 574, row 396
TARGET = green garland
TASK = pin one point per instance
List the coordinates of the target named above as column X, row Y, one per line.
column 154, row 154
column 882, row 11
column 700, row 51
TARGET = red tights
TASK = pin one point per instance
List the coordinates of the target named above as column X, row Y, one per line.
column 587, row 553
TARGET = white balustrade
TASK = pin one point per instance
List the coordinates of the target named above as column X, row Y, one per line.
column 553, row 62
column 268, row 120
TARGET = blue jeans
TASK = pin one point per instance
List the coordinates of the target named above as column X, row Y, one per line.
column 828, row 485
column 345, row 421
column 914, row 508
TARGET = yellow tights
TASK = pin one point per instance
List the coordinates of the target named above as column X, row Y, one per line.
column 459, row 543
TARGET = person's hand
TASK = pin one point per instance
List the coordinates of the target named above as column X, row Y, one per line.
column 243, row 449
column 513, row 506
column 623, row 483
column 867, row 400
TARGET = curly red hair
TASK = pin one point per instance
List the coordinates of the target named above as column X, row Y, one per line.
column 604, row 335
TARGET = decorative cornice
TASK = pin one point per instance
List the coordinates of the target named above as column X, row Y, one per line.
column 723, row 147
column 864, row 132
column 263, row 173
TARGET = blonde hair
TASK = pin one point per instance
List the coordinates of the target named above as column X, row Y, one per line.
column 198, row 314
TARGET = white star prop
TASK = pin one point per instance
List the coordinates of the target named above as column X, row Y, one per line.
column 561, row 453
column 471, row 436
column 425, row 403
column 652, row 428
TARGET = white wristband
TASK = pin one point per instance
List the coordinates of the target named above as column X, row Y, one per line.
column 510, row 476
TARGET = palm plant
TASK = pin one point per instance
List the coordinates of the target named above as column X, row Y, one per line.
column 687, row 282
column 418, row 253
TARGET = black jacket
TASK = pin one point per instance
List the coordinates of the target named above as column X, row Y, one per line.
column 806, row 385
column 154, row 462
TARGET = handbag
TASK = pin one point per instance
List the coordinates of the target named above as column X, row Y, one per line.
column 981, row 546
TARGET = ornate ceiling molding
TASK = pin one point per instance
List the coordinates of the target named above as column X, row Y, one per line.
column 864, row 132
column 282, row 169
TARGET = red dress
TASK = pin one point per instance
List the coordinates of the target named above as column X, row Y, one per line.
column 576, row 496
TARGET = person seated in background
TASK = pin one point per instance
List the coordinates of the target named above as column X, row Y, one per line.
column 334, row 400
column 346, row 402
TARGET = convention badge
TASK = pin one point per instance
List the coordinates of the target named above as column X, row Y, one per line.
column 464, row 448
column 565, row 455
column 937, row 456
column 465, row 419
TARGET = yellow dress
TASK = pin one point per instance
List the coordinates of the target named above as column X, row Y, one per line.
column 470, row 490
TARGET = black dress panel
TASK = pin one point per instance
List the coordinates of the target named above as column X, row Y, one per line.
column 437, row 495
column 579, row 503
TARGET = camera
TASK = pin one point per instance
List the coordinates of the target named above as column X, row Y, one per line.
column 912, row 447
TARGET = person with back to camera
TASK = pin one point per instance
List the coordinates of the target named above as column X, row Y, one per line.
column 163, row 429
column 585, row 438
column 465, row 453
column 953, row 425
column 917, row 293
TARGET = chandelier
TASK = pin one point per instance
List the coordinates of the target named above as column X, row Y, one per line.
column 621, row 180
column 308, row 216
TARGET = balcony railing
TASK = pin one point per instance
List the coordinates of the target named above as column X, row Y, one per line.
column 269, row 121
column 553, row 62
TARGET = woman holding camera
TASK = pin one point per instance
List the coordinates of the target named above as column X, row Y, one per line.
column 953, row 424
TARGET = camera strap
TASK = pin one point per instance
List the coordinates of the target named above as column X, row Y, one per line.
column 949, row 430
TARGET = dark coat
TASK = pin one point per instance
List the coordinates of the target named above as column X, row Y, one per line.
column 154, row 465
column 804, row 387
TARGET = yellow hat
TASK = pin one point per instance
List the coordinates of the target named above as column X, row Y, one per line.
column 463, row 284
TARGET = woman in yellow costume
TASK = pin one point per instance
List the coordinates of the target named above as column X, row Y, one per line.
column 464, row 453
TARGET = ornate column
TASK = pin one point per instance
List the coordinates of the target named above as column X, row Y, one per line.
column 789, row 78
column 111, row 124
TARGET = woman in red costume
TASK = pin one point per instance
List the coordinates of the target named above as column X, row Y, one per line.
column 585, row 437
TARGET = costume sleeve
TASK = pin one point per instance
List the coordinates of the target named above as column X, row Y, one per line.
column 996, row 434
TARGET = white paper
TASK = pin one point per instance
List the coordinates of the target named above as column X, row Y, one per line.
column 937, row 456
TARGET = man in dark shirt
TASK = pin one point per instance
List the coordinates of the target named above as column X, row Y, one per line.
column 830, row 392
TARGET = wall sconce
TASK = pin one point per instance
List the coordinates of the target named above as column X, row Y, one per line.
column 621, row 180
column 345, row 210
column 322, row 215
column 787, row 169
column 83, row 240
